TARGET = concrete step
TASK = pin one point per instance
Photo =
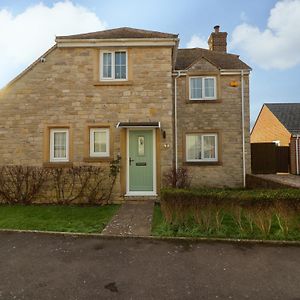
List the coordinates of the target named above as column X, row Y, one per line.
column 140, row 199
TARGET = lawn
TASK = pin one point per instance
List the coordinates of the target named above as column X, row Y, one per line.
column 87, row 219
column 228, row 230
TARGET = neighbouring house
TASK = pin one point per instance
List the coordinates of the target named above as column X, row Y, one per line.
column 132, row 93
column 280, row 123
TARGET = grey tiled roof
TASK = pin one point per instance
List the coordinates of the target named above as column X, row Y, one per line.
column 288, row 114
column 120, row 33
column 186, row 57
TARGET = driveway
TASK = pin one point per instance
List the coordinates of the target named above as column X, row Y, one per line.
column 38, row 266
column 288, row 180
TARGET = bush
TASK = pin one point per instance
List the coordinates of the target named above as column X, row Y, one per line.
column 87, row 184
column 250, row 210
column 177, row 178
column 21, row 184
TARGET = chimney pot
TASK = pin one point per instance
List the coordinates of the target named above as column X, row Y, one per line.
column 217, row 28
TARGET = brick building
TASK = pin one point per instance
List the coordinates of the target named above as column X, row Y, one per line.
column 280, row 123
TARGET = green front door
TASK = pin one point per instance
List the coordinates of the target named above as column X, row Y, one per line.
column 140, row 161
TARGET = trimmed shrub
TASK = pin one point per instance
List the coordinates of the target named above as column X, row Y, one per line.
column 250, row 210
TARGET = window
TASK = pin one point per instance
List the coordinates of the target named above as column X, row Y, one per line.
column 202, row 88
column 59, row 145
column 99, row 142
column 201, row 147
column 113, row 65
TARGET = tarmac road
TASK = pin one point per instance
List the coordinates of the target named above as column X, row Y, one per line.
column 41, row 266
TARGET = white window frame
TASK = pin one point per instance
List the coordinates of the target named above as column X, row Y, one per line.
column 215, row 159
column 203, row 88
column 92, row 141
column 112, row 78
column 52, row 132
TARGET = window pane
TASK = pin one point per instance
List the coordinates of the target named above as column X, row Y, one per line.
column 193, row 145
column 209, row 84
column 196, row 88
column 100, row 141
column 209, row 147
column 107, row 65
column 120, row 65
column 60, row 144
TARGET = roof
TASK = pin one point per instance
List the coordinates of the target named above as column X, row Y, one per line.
column 121, row 33
column 186, row 57
column 288, row 114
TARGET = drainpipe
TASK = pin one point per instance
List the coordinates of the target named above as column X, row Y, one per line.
column 243, row 128
column 297, row 153
column 175, row 120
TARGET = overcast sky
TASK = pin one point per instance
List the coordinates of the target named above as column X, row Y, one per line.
column 264, row 33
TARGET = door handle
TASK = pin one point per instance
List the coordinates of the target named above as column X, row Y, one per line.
column 130, row 161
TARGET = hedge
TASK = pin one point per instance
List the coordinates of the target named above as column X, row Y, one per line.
column 256, row 208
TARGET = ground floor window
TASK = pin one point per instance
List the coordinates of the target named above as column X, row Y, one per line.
column 59, row 145
column 99, row 142
column 201, row 147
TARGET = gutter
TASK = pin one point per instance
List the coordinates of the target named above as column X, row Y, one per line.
column 175, row 119
column 297, row 154
column 243, row 127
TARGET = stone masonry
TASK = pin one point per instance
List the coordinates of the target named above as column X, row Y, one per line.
column 62, row 91
column 223, row 116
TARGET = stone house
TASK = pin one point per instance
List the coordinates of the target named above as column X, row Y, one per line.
column 280, row 123
column 133, row 93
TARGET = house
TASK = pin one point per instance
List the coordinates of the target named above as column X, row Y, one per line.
column 280, row 123
column 132, row 93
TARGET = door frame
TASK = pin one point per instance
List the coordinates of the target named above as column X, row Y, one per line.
column 141, row 193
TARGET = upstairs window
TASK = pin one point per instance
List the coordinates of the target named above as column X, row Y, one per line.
column 59, row 145
column 202, row 88
column 201, row 147
column 113, row 65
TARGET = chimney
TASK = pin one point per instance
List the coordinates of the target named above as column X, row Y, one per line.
column 218, row 40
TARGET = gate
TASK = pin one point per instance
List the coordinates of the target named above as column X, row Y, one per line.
column 282, row 159
column 268, row 158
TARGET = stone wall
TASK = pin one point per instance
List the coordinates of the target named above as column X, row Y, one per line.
column 222, row 116
column 64, row 91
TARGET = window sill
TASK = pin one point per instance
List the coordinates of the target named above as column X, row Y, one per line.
column 203, row 163
column 113, row 82
column 97, row 159
column 204, row 101
column 57, row 164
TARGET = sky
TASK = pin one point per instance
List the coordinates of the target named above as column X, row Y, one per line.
column 264, row 33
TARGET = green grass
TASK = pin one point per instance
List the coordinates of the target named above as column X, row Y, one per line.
column 229, row 229
column 72, row 218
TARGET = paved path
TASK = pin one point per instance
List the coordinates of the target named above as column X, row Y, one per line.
column 132, row 219
column 287, row 179
column 38, row 267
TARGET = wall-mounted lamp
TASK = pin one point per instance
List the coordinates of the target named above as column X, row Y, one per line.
column 234, row 83
column 166, row 146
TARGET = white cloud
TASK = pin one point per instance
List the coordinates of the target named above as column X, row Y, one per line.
column 26, row 36
column 278, row 45
column 197, row 42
